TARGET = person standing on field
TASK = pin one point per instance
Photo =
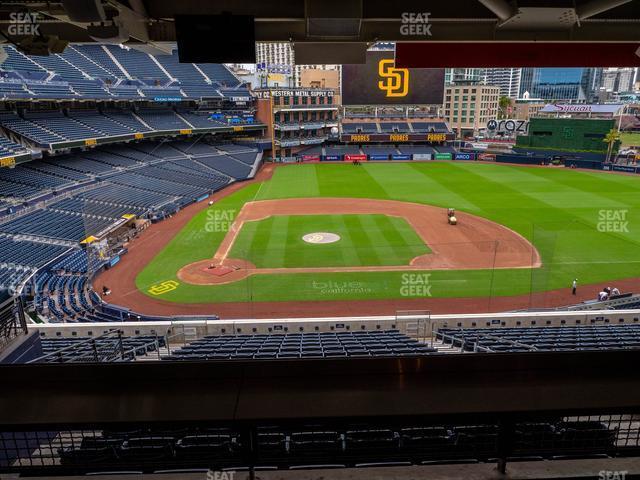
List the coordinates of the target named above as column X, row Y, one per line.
column 574, row 286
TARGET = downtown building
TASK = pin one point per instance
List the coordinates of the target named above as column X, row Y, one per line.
column 463, row 75
column 276, row 65
column 508, row 79
column 619, row 80
column 572, row 85
column 297, row 118
column 469, row 107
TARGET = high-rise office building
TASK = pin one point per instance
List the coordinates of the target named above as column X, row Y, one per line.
column 561, row 84
column 463, row 75
column 619, row 80
column 277, row 60
column 508, row 79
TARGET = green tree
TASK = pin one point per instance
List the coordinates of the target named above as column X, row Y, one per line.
column 611, row 138
column 503, row 105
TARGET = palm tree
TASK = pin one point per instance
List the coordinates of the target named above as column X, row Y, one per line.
column 610, row 139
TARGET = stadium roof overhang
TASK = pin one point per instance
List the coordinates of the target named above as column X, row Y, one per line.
column 327, row 22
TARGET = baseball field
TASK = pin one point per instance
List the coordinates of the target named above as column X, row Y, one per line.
column 521, row 230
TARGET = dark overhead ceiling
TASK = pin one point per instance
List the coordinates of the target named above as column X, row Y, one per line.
column 451, row 20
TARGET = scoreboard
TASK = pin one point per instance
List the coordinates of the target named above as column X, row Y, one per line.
column 379, row 82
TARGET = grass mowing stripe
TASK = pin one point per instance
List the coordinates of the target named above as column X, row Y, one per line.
column 351, row 243
column 345, row 249
column 587, row 217
column 384, row 243
column 558, row 188
column 276, row 252
column 257, row 244
column 345, row 180
column 424, row 188
column 398, row 232
column 364, row 241
column 605, row 184
column 300, row 181
column 409, row 237
column 504, row 199
column 243, row 240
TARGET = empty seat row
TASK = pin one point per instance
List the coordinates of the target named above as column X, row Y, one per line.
column 282, row 446
column 588, row 337
column 289, row 346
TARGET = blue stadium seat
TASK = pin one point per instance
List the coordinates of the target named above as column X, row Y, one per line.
column 306, row 346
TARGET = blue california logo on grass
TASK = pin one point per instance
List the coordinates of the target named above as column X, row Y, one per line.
column 340, row 287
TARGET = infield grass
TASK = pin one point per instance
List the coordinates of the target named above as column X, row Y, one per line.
column 585, row 225
column 365, row 240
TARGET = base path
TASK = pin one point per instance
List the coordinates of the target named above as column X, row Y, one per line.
column 474, row 243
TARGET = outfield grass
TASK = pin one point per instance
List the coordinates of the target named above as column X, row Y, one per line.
column 628, row 139
column 564, row 213
column 365, row 240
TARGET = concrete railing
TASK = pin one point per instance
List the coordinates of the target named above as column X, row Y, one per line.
column 415, row 324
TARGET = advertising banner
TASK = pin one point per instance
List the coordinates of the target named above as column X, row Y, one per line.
column 464, row 156
column 167, row 99
column 623, row 168
column 352, row 157
column 397, row 137
column 508, row 126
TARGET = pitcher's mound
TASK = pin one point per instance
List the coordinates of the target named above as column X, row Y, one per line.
column 321, row 237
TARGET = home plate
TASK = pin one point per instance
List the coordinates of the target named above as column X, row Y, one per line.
column 321, row 237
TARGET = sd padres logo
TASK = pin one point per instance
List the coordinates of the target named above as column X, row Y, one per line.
column 164, row 287
column 395, row 81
